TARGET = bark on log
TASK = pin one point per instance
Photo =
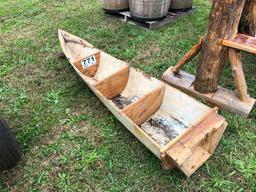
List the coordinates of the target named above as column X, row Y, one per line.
column 248, row 21
column 188, row 57
column 224, row 21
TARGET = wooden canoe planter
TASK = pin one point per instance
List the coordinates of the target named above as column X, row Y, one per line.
column 179, row 130
column 221, row 42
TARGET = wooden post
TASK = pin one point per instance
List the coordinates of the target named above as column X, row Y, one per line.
column 224, row 21
column 222, row 41
column 248, row 21
column 238, row 73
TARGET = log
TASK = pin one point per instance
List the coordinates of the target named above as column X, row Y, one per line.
column 188, row 57
column 238, row 73
column 224, row 21
column 248, row 21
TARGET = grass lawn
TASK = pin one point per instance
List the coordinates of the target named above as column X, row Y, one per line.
column 70, row 141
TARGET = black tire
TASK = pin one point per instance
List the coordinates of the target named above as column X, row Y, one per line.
column 10, row 152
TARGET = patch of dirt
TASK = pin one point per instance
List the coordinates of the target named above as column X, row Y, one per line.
column 153, row 48
column 25, row 32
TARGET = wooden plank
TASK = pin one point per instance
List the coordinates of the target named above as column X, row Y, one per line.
column 195, row 161
column 228, row 100
column 241, row 42
column 179, row 153
column 145, row 107
column 214, row 139
column 182, row 79
column 184, row 147
column 115, row 84
column 201, row 131
column 223, row 98
column 164, row 149
column 188, row 154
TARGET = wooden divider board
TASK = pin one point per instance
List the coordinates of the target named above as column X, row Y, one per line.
column 145, row 107
column 223, row 98
column 115, row 84
column 89, row 64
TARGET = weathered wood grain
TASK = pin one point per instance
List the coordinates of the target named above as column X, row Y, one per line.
column 238, row 73
column 241, row 42
column 145, row 107
column 153, row 97
column 188, row 153
column 113, row 85
column 248, row 20
column 115, row 5
column 149, row 10
column 223, row 98
column 213, row 55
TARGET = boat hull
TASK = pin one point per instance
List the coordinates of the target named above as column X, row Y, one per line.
column 179, row 130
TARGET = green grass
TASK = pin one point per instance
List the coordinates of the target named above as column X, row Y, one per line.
column 70, row 141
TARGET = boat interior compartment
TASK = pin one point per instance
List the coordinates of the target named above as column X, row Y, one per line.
column 177, row 113
column 136, row 100
column 143, row 96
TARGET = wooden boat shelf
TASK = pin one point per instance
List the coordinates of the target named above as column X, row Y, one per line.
column 179, row 130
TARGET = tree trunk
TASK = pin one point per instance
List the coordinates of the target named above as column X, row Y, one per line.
column 224, row 21
column 248, row 21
